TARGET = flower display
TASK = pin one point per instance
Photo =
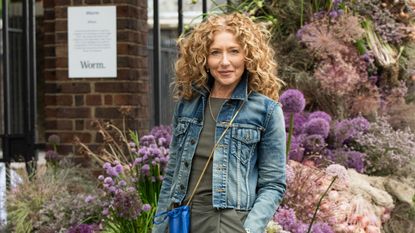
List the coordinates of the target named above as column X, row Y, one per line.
column 292, row 101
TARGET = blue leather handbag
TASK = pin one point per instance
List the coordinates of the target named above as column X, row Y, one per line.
column 179, row 219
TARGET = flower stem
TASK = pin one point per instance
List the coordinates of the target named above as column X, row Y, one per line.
column 290, row 133
column 319, row 203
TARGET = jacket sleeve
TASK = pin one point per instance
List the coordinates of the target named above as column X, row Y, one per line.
column 164, row 200
column 271, row 182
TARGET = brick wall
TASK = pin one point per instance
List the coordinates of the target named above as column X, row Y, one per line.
column 72, row 104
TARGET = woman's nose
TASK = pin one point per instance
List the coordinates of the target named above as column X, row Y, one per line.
column 225, row 59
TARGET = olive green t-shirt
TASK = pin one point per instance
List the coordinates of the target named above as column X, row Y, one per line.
column 203, row 150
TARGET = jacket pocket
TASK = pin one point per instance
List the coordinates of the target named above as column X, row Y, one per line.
column 244, row 141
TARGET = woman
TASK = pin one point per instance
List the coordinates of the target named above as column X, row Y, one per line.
column 226, row 64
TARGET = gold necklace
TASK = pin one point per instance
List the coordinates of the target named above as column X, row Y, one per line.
column 210, row 110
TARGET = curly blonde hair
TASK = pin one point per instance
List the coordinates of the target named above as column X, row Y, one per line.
column 254, row 39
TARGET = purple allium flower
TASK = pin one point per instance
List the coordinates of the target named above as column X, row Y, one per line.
column 54, row 139
column 333, row 14
column 317, row 126
column 127, row 204
column 52, row 156
column 122, row 183
column 111, row 171
column 101, row 177
column 112, row 189
column 118, row 168
column 285, row 217
column 299, row 121
column 145, row 169
column 360, row 124
column 82, row 228
column 109, row 181
column 320, row 114
column 105, row 212
column 106, row 165
column 132, row 144
column 296, row 152
column 89, row 198
column 343, row 131
column 292, row 101
column 321, row 227
column 314, row 143
column 355, row 160
column 146, row 207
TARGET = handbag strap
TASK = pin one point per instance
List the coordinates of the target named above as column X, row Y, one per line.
column 213, row 151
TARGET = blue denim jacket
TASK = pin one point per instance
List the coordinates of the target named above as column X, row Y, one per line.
column 248, row 164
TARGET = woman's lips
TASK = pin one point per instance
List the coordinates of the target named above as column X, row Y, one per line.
column 227, row 72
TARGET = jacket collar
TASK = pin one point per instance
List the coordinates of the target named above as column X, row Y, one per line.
column 239, row 93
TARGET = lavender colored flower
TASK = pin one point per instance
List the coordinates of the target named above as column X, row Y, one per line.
column 52, row 156
column 320, row 114
column 286, row 218
column 109, row 181
column 127, row 204
column 112, row 189
column 118, row 168
column 360, row 124
column 101, row 177
column 314, row 143
column 89, row 198
column 292, row 101
column 106, row 165
column 317, row 126
column 296, row 152
column 355, row 160
column 54, row 139
column 343, row 131
column 321, row 227
column 105, row 212
column 299, row 121
column 146, row 207
column 122, row 183
column 82, row 228
column 145, row 169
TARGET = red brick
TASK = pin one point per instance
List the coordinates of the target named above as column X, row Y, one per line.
column 61, row 37
column 61, row 12
column 61, row 25
column 79, row 124
column 74, row 112
column 74, row 87
column 79, row 100
column 61, row 62
column 65, row 100
column 108, row 100
column 58, row 125
column 93, row 100
column 125, row 100
column 49, row 74
column 107, row 113
column 114, row 87
column 68, row 137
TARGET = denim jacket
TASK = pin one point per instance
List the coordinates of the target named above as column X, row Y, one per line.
column 248, row 164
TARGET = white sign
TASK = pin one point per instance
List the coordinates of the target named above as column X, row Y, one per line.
column 92, row 42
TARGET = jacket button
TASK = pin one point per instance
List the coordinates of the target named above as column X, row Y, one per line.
column 181, row 187
column 192, row 141
column 186, row 164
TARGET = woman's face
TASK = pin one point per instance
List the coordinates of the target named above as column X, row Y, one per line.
column 226, row 61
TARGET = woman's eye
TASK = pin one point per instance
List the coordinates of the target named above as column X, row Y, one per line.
column 214, row 52
column 235, row 51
